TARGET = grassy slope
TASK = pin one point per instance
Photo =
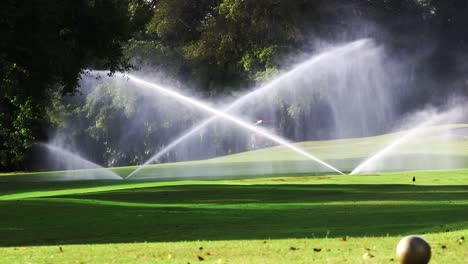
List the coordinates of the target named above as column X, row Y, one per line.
column 427, row 152
column 233, row 218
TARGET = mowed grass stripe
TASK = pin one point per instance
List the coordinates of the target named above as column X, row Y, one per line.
column 20, row 190
column 44, row 222
column 254, row 206
column 35, row 194
column 332, row 250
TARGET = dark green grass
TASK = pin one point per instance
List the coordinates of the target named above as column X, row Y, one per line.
column 230, row 210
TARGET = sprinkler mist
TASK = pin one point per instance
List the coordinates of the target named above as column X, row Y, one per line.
column 367, row 164
column 79, row 168
column 275, row 83
column 228, row 117
column 393, row 145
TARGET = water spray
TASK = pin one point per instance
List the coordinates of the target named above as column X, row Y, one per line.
column 228, row 117
column 403, row 139
column 339, row 51
column 67, row 155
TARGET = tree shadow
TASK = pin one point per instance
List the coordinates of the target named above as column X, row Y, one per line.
column 224, row 212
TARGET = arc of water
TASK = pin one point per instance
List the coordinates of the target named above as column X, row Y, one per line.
column 69, row 155
column 231, row 118
column 399, row 141
column 301, row 67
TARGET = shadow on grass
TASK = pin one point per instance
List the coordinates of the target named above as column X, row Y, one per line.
column 220, row 212
column 279, row 193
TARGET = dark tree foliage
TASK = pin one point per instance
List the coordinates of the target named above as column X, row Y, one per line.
column 448, row 26
column 221, row 45
column 215, row 46
column 44, row 46
column 239, row 42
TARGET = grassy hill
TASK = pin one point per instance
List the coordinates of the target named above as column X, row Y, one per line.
column 435, row 148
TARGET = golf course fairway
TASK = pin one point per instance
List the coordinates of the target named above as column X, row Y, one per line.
column 293, row 219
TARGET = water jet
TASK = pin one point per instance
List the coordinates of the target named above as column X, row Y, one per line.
column 230, row 118
column 78, row 168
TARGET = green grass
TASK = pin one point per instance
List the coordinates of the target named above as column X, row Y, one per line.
column 123, row 222
column 333, row 250
column 249, row 207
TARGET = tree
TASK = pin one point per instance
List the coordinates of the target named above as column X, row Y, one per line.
column 45, row 46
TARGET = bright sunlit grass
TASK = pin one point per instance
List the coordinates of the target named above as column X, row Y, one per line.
column 270, row 220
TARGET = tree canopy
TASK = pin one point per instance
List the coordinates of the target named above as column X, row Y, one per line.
column 212, row 46
column 45, row 46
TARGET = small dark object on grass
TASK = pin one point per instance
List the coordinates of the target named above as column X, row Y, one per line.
column 61, row 249
column 317, row 249
column 293, row 248
column 201, row 248
column 344, row 239
column 461, row 240
column 200, row 258
column 414, row 178
column 367, row 256
column 444, row 247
